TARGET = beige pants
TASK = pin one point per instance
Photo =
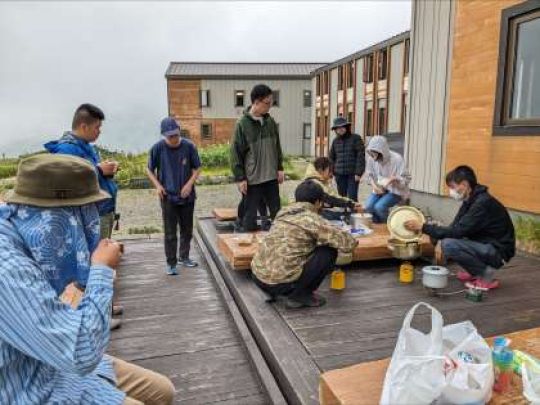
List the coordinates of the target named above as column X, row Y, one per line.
column 142, row 386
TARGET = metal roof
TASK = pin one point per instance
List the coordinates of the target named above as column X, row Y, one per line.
column 366, row 51
column 231, row 70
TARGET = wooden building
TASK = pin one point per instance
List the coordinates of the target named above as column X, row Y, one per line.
column 369, row 88
column 475, row 100
column 208, row 98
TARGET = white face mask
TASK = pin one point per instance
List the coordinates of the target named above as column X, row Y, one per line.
column 456, row 195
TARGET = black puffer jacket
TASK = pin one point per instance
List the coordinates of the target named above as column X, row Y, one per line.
column 348, row 154
column 481, row 218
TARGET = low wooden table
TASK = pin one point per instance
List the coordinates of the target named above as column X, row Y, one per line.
column 362, row 384
column 225, row 214
column 370, row 247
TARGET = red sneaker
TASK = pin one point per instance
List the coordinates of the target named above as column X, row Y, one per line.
column 464, row 276
column 483, row 285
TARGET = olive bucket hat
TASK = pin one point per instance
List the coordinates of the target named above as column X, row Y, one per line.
column 47, row 180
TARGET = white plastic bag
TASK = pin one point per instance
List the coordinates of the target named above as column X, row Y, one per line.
column 415, row 374
column 531, row 384
column 450, row 365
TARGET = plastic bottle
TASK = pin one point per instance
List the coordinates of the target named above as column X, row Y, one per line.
column 406, row 273
column 502, row 363
column 337, row 280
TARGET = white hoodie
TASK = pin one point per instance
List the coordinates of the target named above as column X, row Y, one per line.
column 392, row 164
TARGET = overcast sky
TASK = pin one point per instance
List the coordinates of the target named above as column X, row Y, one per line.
column 57, row 55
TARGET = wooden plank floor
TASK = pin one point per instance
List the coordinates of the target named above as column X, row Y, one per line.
column 180, row 327
column 361, row 323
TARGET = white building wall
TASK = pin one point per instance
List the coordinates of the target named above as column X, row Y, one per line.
column 395, row 91
column 290, row 115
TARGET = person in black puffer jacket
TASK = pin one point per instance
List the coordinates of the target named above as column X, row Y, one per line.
column 480, row 238
column 348, row 158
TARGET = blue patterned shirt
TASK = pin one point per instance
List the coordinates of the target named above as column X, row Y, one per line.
column 49, row 352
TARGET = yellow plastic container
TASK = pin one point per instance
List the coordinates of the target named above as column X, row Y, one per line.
column 337, row 280
column 406, row 273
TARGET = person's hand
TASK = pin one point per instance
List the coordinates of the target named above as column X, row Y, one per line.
column 242, row 186
column 413, row 225
column 358, row 208
column 377, row 190
column 280, row 176
column 108, row 168
column 186, row 190
column 107, row 253
column 392, row 180
column 161, row 192
column 357, row 178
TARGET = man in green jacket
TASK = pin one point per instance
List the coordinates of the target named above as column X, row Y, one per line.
column 257, row 158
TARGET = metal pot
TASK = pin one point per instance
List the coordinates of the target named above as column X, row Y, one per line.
column 405, row 250
column 435, row 276
column 359, row 221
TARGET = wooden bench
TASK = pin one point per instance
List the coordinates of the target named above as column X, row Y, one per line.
column 362, row 383
column 225, row 214
column 370, row 247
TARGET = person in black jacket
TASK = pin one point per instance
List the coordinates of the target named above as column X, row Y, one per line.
column 481, row 236
column 348, row 158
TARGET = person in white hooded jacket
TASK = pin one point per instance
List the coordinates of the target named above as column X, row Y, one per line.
column 388, row 177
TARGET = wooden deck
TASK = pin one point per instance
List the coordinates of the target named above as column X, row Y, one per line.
column 361, row 323
column 181, row 327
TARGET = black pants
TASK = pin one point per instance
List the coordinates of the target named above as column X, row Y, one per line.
column 320, row 264
column 263, row 211
column 174, row 216
column 267, row 192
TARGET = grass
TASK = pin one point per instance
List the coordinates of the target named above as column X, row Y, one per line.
column 527, row 230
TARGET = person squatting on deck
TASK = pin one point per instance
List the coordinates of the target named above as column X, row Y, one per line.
column 173, row 167
column 348, row 157
column 388, row 176
column 320, row 172
column 49, row 237
column 300, row 250
column 257, row 158
column 481, row 237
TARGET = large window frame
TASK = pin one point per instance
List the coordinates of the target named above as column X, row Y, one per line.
column 207, row 132
column 503, row 124
column 239, row 95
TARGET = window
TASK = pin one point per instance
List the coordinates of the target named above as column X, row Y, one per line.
column 275, row 96
column 368, row 69
column 382, row 67
column 326, row 83
column 368, row 130
column 340, row 78
column 403, row 112
column 517, row 101
column 381, row 116
column 406, row 56
column 239, row 96
column 206, row 131
column 350, row 75
column 205, row 98
column 350, row 114
column 318, row 85
column 307, row 131
column 184, row 133
column 307, row 98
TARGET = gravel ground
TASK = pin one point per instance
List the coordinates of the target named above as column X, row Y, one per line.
column 140, row 208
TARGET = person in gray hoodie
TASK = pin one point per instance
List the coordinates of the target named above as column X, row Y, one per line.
column 388, row 177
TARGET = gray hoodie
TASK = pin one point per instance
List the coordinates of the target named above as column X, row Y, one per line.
column 392, row 164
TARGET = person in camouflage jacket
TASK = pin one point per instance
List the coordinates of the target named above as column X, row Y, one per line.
column 300, row 250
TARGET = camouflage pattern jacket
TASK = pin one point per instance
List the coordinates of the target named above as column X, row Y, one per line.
column 297, row 230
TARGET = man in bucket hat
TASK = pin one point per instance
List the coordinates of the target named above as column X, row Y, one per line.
column 348, row 158
column 49, row 237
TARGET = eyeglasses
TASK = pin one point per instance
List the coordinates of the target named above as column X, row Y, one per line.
column 267, row 101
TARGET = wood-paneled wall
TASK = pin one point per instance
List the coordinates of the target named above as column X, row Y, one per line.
column 509, row 165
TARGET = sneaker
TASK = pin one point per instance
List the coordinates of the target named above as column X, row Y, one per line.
column 117, row 310
column 171, row 270
column 188, row 262
column 483, row 285
column 312, row 301
column 464, row 276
